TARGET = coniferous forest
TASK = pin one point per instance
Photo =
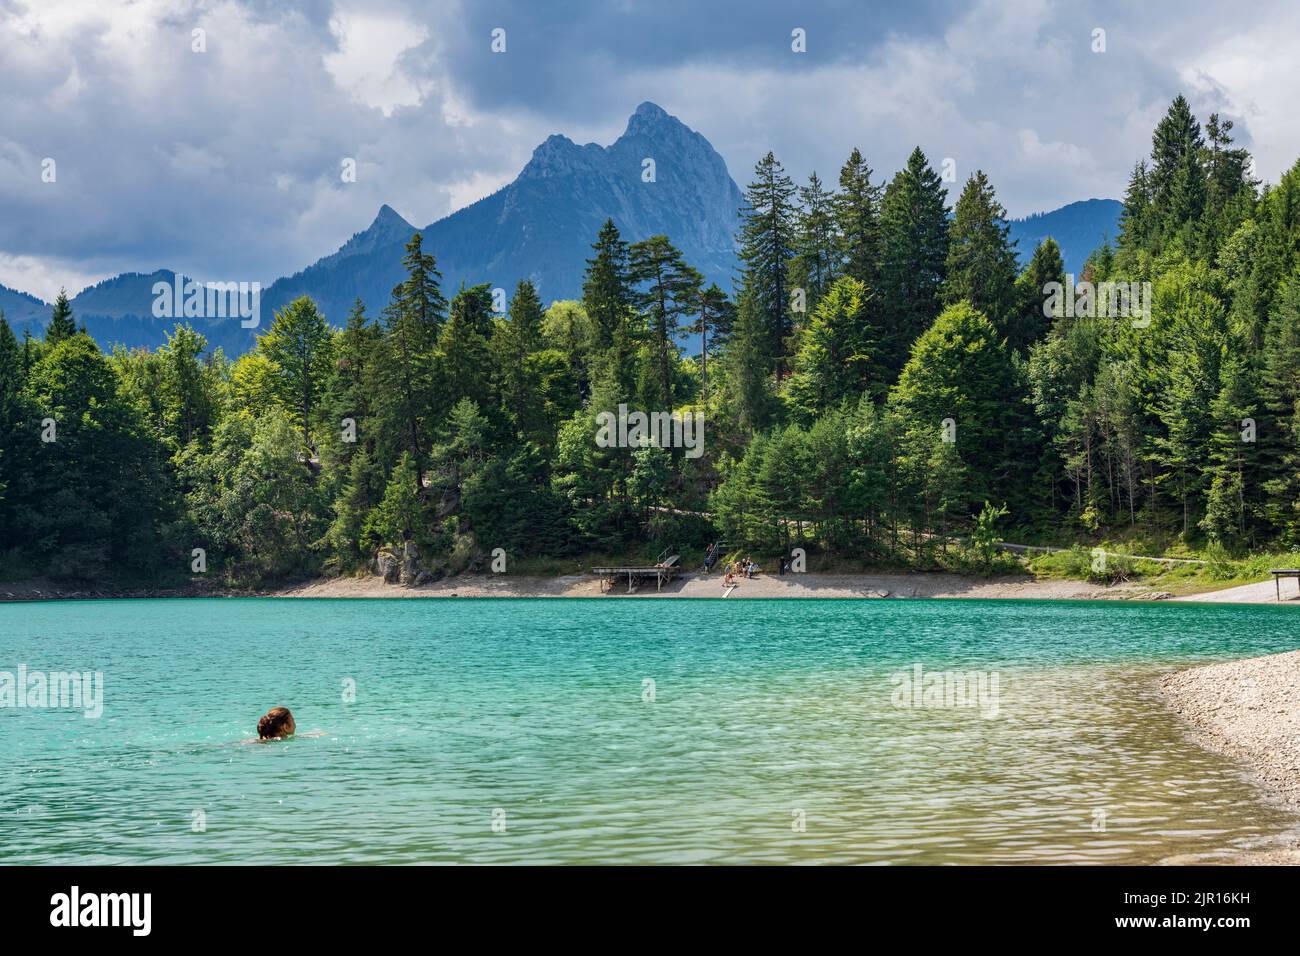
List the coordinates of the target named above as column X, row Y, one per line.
column 882, row 383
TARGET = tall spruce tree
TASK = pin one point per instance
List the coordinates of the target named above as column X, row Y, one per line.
column 406, row 392
column 607, row 299
column 715, row 317
column 914, row 255
column 767, row 246
column 300, row 348
column 817, row 246
column 349, row 392
column 857, row 220
column 960, row 385
column 606, row 290
column 61, row 324
column 839, row 353
column 666, row 289
column 514, row 347
column 464, row 370
column 1135, row 221
column 1278, row 433
column 1030, row 323
column 1178, row 187
column 981, row 263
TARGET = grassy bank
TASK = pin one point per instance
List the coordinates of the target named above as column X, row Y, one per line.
column 1129, row 561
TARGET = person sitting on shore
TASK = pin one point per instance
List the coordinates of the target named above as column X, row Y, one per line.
column 276, row 725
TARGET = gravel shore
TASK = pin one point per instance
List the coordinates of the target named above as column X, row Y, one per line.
column 1249, row 710
column 694, row 584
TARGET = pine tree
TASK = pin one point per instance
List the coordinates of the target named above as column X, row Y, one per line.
column 838, row 357
column 749, row 393
column 359, row 495
column 914, row 254
column 816, row 259
column 349, row 392
column 420, row 297
column 185, row 387
column 1234, row 501
column 1278, row 434
column 300, row 348
column 1274, row 253
column 526, row 316
column 607, row 299
column 606, row 291
column 665, row 290
column 981, row 266
column 463, row 367
column 1178, row 188
column 767, row 246
column 857, row 219
column 1230, row 188
column 514, row 348
column 1029, row 323
column 11, row 419
column 716, row 317
column 1135, row 221
column 401, row 514
column 406, row 386
column 1191, row 338
column 12, row 372
column 61, row 324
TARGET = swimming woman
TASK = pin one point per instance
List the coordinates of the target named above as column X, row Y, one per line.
column 276, row 725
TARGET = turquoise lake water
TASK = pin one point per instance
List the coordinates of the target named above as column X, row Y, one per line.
column 502, row 731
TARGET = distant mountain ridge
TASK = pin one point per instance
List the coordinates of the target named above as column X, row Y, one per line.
column 542, row 225
column 658, row 177
column 1078, row 228
column 21, row 309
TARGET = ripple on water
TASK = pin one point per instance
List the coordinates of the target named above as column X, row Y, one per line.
column 771, row 738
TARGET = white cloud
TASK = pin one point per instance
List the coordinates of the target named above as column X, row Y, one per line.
column 44, row 278
column 1250, row 78
column 226, row 163
column 366, row 63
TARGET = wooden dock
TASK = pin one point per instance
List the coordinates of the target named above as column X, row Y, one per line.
column 662, row 573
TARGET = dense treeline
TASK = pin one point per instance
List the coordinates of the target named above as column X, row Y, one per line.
column 884, row 372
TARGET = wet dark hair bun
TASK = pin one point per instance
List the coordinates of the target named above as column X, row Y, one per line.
column 274, row 722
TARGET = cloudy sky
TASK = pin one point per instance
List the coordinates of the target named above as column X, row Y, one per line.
column 225, row 163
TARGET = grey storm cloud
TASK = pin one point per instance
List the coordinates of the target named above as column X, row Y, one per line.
column 226, row 163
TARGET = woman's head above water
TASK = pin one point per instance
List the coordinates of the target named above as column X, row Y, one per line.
column 277, row 723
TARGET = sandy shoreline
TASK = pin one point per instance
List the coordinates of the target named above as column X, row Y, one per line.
column 1247, row 711
column 692, row 584
column 699, row 585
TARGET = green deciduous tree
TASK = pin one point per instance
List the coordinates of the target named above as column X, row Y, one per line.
column 300, row 347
